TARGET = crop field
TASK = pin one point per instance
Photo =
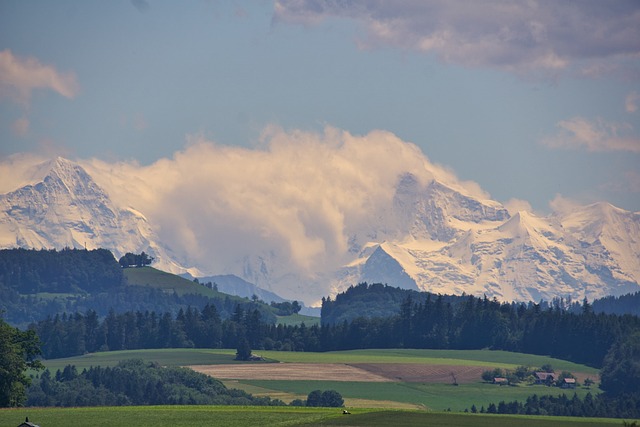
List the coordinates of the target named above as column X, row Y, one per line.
column 235, row 416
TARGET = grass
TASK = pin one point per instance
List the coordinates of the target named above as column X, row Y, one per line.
column 149, row 276
column 438, row 397
column 184, row 356
column 298, row 319
column 235, row 416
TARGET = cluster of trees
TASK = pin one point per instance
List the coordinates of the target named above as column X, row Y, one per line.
column 135, row 382
column 319, row 398
column 18, row 352
column 286, row 308
column 135, row 260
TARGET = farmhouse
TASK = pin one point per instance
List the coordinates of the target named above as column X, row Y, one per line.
column 26, row 423
column 500, row 381
column 544, row 377
column 569, row 383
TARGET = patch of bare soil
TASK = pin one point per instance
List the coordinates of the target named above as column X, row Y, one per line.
column 419, row 373
column 292, row 371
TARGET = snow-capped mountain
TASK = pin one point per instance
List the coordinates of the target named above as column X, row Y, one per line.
column 455, row 243
column 434, row 237
column 64, row 207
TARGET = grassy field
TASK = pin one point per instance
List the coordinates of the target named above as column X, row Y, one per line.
column 437, row 397
column 297, row 319
column 185, row 356
column 177, row 416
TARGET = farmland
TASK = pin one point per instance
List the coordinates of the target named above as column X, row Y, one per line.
column 366, row 378
column 236, row 416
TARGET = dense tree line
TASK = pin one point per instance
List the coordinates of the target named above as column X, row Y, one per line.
column 66, row 271
column 134, row 382
column 602, row 405
column 474, row 324
column 467, row 322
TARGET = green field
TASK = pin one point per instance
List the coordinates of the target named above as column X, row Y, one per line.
column 177, row 416
column 437, row 397
column 298, row 319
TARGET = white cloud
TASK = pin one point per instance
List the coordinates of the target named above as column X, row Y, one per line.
column 517, row 205
column 517, row 36
column 631, row 102
column 18, row 170
column 20, row 76
column 598, row 135
column 300, row 195
column 562, row 205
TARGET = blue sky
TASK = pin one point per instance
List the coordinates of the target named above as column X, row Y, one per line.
column 535, row 102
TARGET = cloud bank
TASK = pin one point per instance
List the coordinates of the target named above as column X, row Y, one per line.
column 21, row 76
column 519, row 36
column 594, row 135
column 299, row 195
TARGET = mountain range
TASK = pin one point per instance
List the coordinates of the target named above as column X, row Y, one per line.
column 441, row 240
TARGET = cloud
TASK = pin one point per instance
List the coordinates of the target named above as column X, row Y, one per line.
column 18, row 170
column 517, row 205
column 21, row 76
column 517, row 36
column 631, row 102
column 562, row 205
column 299, row 195
column 598, row 135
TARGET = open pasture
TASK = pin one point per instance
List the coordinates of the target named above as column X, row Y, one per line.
column 235, row 416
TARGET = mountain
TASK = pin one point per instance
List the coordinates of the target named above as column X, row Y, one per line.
column 432, row 235
column 450, row 242
column 64, row 207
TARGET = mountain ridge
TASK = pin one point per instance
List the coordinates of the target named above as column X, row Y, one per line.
column 434, row 238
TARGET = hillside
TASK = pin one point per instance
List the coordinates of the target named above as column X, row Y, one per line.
column 36, row 284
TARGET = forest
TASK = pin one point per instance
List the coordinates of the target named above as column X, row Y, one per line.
column 472, row 323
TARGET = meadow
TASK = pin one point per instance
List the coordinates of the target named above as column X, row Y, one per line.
column 237, row 416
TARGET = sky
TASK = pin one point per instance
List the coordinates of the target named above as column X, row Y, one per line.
column 531, row 103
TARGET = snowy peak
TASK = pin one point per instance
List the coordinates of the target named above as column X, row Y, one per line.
column 438, row 212
column 64, row 207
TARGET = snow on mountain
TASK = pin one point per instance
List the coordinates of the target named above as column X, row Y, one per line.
column 64, row 207
column 433, row 237
column 455, row 243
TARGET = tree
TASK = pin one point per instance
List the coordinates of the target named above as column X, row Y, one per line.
column 621, row 370
column 332, row 399
column 243, row 351
column 18, row 350
column 314, row 398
